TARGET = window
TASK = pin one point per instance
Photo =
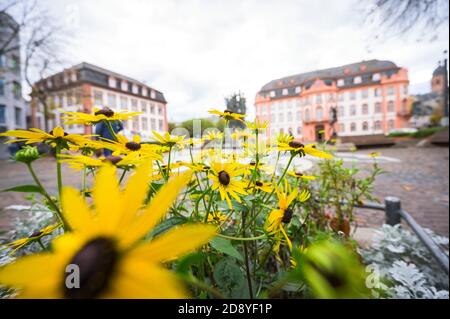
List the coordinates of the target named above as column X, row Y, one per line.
column 391, row 107
column 341, row 97
column 357, row 80
column 144, row 124
column 352, row 110
column 153, row 124
column 15, row 63
column 365, row 109
column 342, row 127
column 134, row 105
column 17, row 91
column 152, row 94
column 405, row 90
column 341, row 111
column 160, row 110
column 112, row 100
column 319, row 98
column 365, row 94
column 307, row 115
column 376, row 92
column 376, row 77
column 340, row 82
column 404, row 105
column 285, row 92
column 390, row 90
column 365, row 126
column 135, row 123
column 2, row 114
column 352, row 127
column 272, row 117
column 297, row 89
column 377, row 125
column 123, row 103
column 391, row 124
column 272, row 93
column 18, row 116
column 2, row 87
column 319, row 113
column 2, row 60
column 298, row 116
column 160, row 125
column 98, row 98
column 152, row 108
column 289, row 117
column 352, row 95
column 118, row 84
column 130, row 87
column 378, row 107
column 299, row 130
column 143, row 106
column 281, row 117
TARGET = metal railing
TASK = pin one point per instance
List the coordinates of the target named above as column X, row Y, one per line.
column 394, row 215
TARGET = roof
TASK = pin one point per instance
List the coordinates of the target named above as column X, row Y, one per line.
column 359, row 68
column 439, row 70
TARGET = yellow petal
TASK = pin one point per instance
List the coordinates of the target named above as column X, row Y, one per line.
column 175, row 243
column 75, row 209
column 311, row 150
column 156, row 210
column 58, row 132
column 107, row 199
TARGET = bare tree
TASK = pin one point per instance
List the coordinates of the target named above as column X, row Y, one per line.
column 398, row 17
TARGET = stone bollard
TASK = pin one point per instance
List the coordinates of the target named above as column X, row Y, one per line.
column 392, row 210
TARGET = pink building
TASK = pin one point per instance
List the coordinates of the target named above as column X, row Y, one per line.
column 371, row 98
column 85, row 86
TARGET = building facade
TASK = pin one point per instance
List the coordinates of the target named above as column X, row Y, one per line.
column 85, row 86
column 12, row 105
column 369, row 98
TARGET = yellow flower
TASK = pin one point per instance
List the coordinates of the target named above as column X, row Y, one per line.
column 263, row 186
column 257, row 125
column 57, row 136
column 227, row 115
column 284, row 138
column 125, row 146
column 105, row 246
column 168, row 140
column 281, row 215
column 300, row 175
column 216, row 218
column 374, row 154
column 304, row 196
column 104, row 114
column 213, row 135
column 78, row 162
column 298, row 148
column 22, row 242
column 224, row 177
column 191, row 142
column 238, row 134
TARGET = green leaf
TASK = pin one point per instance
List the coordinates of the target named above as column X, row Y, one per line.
column 166, row 225
column 24, row 189
column 196, row 258
column 228, row 275
column 224, row 246
column 236, row 206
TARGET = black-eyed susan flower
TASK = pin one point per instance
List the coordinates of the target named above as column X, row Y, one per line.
column 225, row 178
column 298, row 174
column 297, row 148
column 216, row 218
column 37, row 235
column 78, row 162
column 213, row 135
column 55, row 137
column 374, row 154
column 98, row 115
column 106, row 247
column 303, row 196
column 261, row 185
column 257, row 125
column 168, row 140
column 125, row 146
column 280, row 216
column 228, row 115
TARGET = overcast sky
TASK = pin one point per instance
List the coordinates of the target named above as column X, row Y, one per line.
column 197, row 52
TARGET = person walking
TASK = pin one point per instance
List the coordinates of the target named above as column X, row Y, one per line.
column 102, row 130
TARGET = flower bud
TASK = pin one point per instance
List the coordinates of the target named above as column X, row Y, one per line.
column 27, row 154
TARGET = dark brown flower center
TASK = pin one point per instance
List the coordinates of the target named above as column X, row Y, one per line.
column 295, row 144
column 51, row 133
column 36, row 234
column 96, row 261
column 113, row 159
column 106, row 111
column 228, row 111
column 287, row 216
column 298, row 174
column 252, row 163
column 133, row 146
column 224, row 178
column 206, row 167
column 258, row 183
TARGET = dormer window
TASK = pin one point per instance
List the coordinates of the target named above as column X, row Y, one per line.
column 340, row 82
column 357, row 80
column 152, row 94
column 272, row 93
column 285, row 92
column 376, row 77
column 297, row 89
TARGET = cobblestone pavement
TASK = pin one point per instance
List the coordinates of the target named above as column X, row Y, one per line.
column 419, row 179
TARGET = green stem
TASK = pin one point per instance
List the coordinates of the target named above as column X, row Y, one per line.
column 41, row 244
column 83, row 181
column 57, row 212
column 281, row 178
column 247, row 263
column 201, row 285
column 110, row 129
column 123, row 175
column 242, row 238
column 58, row 171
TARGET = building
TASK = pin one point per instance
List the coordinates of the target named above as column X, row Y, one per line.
column 370, row 97
column 83, row 87
column 12, row 104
